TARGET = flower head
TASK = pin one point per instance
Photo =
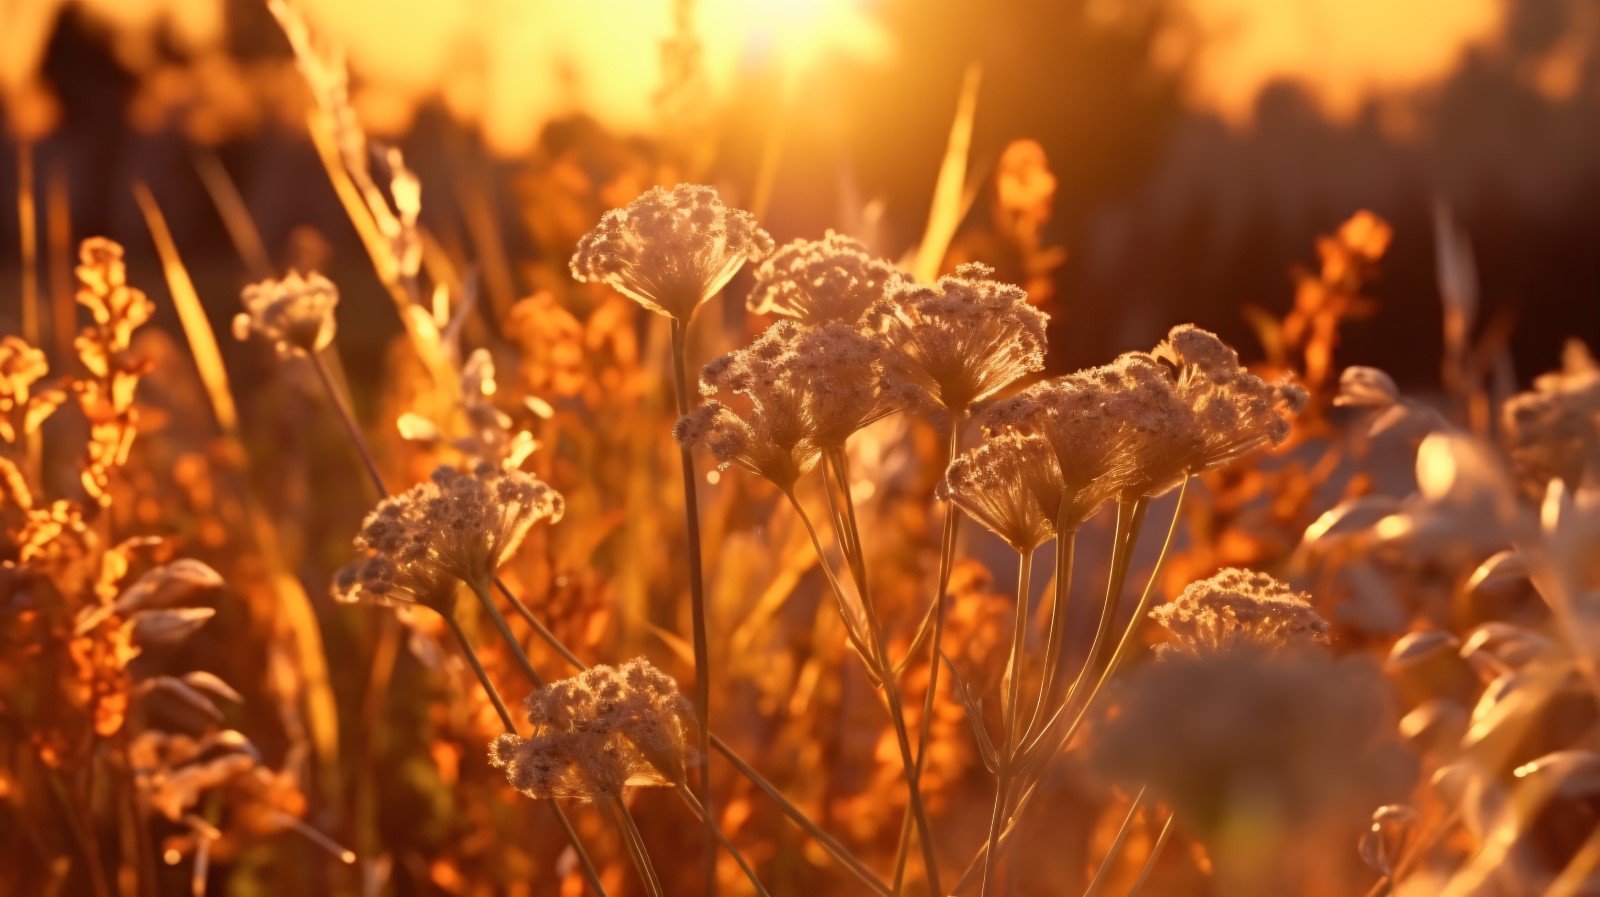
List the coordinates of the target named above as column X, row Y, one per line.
column 817, row 281
column 1553, row 431
column 1235, row 411
column 1012, row 484
column 295, row 313
column 455, row 527
column 670, row 250
column 963, row 339
column 598, row 732
column 1118, row 431
column 803, row 390
column 1235, row 608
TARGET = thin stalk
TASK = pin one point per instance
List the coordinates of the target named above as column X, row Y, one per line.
column 947, row 551
column 858, row 639
column 1155, row 854
column 749, row 873
column 697, row 596
column 1101, row 874
column 1122, row 542
column 1009, row 716
column 636, row 849
column 1011, row 712
column 481, row 590
column 584, row 861
column 349, row 421
column 1127, row 634
column 1030, row 751
column 891, row 690
column 1066, row 551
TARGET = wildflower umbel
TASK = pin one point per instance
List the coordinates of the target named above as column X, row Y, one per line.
column 670, row 250
column 1118, row 430
column 1235, row 411
column 962, row 339
column 1235, row 608
column 1012, row 484
column 807, row 389
column 599, row 732
column 455, row 527
column 295, row 314
column 817, row 281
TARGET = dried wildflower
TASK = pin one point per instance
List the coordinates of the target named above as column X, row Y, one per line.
column 817, row 281
column 1553, row 431
column 1012, row 484
column 1118, row 431
column 21, row 411
column 456, row 526
column 295, row 314
column 806, row 390
column 670, row 250
column 1288, row 737
column 491, row 435
column 961, row 340
column 1235, row 411
column 106, row 395
column 1236, row 608
column 598, row 732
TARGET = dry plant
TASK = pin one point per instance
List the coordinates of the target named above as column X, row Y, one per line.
column 1229, row 662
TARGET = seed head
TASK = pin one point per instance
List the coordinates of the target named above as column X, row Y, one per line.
column 670, row 250
column 817, row 281
column 1118, row 431
column 961, row 340
column 598, row 732
column 295, row 313
column 455, row 527
column 1235, row 411
column 1012, row 484
column 802, row 390
column 1235, row 608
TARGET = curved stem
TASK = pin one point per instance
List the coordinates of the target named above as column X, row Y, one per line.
column 1110, row 859
column 481, row 590
column 587, row 864
column 688, row 797
column 947, row 550
column 697, row 595
column 636, row 848
column 1127, row 634
column 1155, row 854
column 347, row 417
column 1066, row 550
column 891, row 690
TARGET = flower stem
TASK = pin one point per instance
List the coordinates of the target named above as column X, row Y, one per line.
column 947, row 551
column 891, row 689
column 1009, row 715
column 1110, row 859
column 697, row 599
column 1155, row 854
column 636, row 849
column 688, row 797
column 348, row 418
column 1066, row 550
column 584, row 861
